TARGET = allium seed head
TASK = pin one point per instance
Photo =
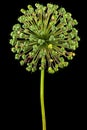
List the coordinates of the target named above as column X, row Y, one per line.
column 45, row 36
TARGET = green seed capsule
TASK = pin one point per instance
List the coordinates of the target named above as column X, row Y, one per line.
column 13, row 49
column 17, row 56
column 50, row 70
column 23, row 11
column 21, row 62
column 24, row 56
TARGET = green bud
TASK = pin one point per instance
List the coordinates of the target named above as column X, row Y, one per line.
column 13, row 49
column 32, row 27
column 31, row 37
column 61, row 59
column 23, row 11
column 21, row 35
column 69, row 26
column 22, row 19
column 62, row 11
column 12, row 33
column 28, row 69
column 37, row 5
column 54, row 53
column 62, row 20
column 50, row 60
column 50, row 46
column 50, row 6
column 16, row 27
column 50, row 70
column 71, row 42
column 61, row 64
column 75, row 22
column 41, row 41
column 17, row 56
column 25, row 25
column 14, row 36
column 65, row 16
column 18, row 50
column 51, row 38
column 66, row 64
column 54, row 18
column 78, row 38
column 68, row 16
column 21, row 62
column 56, row 7
column 62, row 49
column 41, row 68
column 29, row 6
column 23, row 56
column 12, row 42
column 69, row 57
column 29, row 65
column 35, row 48
column 56, row 68
column 74, row 31
column 26, row 43
column 42, row 53
column 76, row 44
column 51, row 23
column 53, row 29
column 61, row 36
column 63, row 29
column 72, row 47
column 65, row 45
column 34, row 69
column 31, row 54
column 71, row 35
column 26, row 31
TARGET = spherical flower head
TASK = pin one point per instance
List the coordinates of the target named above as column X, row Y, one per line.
column 44, row 37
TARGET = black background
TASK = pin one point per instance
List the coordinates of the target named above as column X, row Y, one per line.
column 65, row 91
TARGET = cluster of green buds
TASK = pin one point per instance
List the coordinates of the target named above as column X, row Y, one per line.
column 45, row 36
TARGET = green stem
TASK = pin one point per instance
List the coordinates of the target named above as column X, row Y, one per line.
column 42, row 100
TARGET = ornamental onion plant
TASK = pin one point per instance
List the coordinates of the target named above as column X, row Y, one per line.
column 44, row 38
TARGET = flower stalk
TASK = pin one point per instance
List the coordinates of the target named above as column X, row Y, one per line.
column 42, row 100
